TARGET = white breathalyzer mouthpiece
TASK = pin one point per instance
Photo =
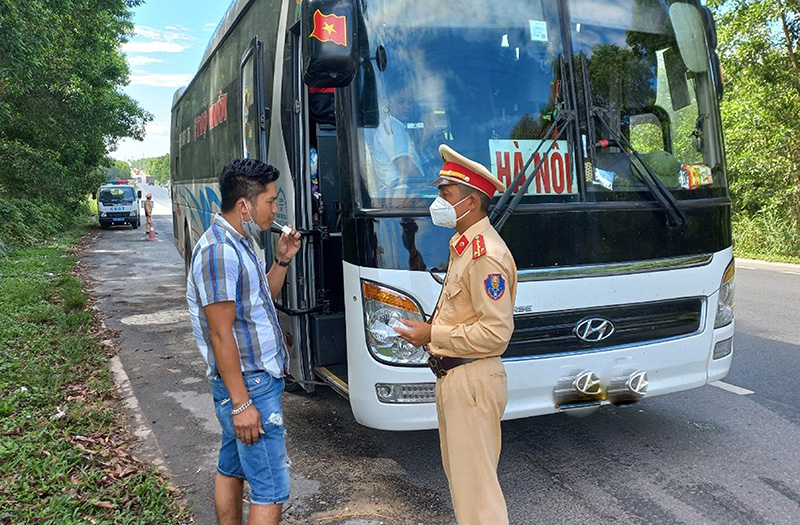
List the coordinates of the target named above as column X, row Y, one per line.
column 284, row 229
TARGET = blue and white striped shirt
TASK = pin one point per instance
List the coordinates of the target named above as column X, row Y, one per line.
column 225, row 267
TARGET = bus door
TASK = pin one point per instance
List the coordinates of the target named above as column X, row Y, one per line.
column 315, row 340
column 319, row 345
column 328, row 342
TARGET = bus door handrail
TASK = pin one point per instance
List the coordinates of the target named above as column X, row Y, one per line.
column 294, row 312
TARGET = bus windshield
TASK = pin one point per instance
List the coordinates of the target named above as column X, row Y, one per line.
column 649, row 79
column 488, row 83
column 486, row 76
column 112, row 196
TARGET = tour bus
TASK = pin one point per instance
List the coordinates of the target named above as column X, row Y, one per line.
column 600, row 116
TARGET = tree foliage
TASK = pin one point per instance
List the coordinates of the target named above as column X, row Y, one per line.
column 61, row 109
column 758, row 47
column 156, row 167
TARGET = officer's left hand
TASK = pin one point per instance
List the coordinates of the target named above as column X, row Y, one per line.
column 288, row 245
column 418, row 333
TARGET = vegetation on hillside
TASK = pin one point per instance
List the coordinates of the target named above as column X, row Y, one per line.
column 758, row 46
column 156, row 167
column 61, row 108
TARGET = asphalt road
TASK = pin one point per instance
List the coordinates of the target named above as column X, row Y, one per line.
column 722, row 454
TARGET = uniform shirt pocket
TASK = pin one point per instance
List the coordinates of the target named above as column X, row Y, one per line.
column 451, row 300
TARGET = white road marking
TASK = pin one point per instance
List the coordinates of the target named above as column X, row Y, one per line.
column 791, row 273
column 745, row 267
column 732, row 388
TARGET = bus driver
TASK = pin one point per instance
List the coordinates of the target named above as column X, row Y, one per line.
column 394, row 156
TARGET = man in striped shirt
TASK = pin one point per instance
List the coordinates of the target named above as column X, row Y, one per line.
column 230, row 296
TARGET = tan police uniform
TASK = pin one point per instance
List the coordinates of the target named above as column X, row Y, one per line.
column 148, row 213
column 474, row 319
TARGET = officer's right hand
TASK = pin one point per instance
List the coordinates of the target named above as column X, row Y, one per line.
column 248, row 425
column 417, row 333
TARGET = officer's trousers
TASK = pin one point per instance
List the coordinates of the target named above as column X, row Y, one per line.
column 470, row 400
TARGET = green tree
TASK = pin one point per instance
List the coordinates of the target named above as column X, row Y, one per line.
column 758, row 47
column 61, row 110
column 156, row 167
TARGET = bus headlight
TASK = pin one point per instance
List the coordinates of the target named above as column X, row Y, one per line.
column 382, row 308
column 134, row 213
column 725, row 301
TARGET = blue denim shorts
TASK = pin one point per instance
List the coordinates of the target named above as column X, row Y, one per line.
column 264, row 464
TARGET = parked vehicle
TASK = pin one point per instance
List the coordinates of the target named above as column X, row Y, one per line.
column 602, row 118
column 118, row 203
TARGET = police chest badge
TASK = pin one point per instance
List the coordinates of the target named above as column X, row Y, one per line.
column 495, row 286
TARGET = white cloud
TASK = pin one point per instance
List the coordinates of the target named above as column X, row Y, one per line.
column 153, row 47
column 147, row 32
column 155, row 143
column 208, row 28
column 142, row 60
column 156, row 129
column 172, row 39
column 167, row 80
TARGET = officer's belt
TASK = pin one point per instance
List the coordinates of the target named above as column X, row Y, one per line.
column 440, row 365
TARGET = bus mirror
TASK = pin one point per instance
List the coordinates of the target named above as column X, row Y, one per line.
column 710, row 26
column 94, row 195
column 330, row 48
column 719, row 86
column 691, row 36
column 139, row 194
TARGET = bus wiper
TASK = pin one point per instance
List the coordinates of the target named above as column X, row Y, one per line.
column 676, row 218
column 509, row 201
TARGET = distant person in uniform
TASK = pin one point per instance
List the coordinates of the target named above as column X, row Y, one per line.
column 394, row 155
column 230, row 296
column 469, row 331
column 148, row 214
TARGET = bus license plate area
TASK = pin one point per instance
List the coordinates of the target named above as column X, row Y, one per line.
column 119, row 219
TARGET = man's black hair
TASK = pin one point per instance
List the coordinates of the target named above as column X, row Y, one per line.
column 244, row 178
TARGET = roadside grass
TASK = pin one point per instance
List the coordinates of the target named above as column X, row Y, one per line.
column 767, row 236
column 64, row 454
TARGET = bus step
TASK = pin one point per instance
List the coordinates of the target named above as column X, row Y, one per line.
column 335, row 376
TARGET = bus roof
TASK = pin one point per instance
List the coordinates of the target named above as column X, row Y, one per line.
column 236, row 8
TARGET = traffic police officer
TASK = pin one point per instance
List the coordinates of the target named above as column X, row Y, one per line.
column 469, row 331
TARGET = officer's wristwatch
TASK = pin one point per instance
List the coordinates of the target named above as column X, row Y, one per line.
column 281, row 263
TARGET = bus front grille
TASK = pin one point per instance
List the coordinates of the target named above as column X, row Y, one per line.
column 554, row 333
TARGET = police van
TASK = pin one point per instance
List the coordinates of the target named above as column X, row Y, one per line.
column 118, row 203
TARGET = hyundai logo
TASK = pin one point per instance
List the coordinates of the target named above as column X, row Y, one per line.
column 637, row 383
column 587, row 383
column 593, row 329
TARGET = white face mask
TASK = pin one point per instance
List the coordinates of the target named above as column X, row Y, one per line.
column 444, row 214
column 249, row 226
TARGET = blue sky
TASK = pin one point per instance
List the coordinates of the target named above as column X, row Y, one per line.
column 163, row 55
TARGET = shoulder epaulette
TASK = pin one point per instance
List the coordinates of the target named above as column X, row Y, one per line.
column 478, row 247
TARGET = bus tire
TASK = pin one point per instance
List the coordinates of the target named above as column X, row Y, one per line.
column 135, row 224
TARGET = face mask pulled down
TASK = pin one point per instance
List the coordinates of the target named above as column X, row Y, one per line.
column 249, row 226
column 444, row 214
